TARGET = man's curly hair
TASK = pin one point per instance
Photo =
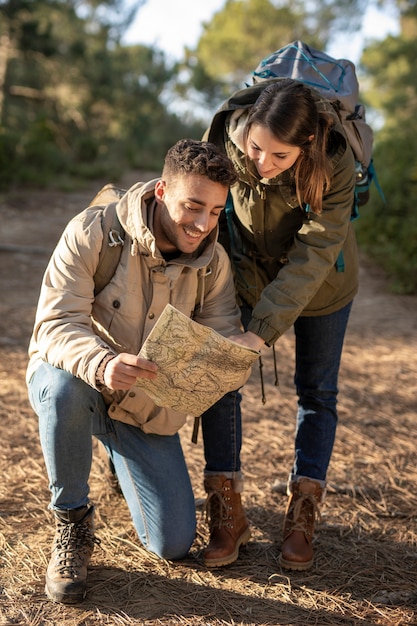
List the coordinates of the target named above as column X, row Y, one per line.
column 190, row 156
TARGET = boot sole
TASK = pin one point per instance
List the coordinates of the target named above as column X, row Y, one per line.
column 66, row 598
column 294, row 565
column 228, row 560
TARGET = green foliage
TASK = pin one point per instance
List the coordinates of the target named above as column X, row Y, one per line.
column 76, row 101
column 220, row 50
column 389, row 232
column 239, row 36
column 8, row 160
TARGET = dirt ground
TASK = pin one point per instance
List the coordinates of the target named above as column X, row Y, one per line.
column 365, row 570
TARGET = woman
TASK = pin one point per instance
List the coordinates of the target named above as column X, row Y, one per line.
column 295, row 261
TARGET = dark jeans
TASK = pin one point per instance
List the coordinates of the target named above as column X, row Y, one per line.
column 319, row 344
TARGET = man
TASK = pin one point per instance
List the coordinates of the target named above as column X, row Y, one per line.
column 84, row 361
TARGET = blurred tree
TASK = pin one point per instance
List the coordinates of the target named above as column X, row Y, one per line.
column 44, row 50
column 113, row 16
column 244, row 31
column 74, row 100
column 35, row 31
column 389, row 233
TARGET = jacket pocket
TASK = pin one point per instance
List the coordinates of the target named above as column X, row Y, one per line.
column 138, row 409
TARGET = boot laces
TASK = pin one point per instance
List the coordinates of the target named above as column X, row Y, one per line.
column 217, row 510
column 71, row 546
column 303, row 513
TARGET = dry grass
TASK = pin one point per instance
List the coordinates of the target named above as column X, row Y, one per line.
column 365, row 570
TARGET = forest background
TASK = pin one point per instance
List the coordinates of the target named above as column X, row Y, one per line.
column 78, row 104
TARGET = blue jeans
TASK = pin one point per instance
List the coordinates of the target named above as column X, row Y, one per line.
column 222, row 435
column 151, row 469
column 319, row 344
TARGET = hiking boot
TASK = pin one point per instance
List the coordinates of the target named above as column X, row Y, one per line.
column 300, row 515
column 228, row 525
column 72, row 547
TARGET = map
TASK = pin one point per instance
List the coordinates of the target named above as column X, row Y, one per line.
column 197, row 366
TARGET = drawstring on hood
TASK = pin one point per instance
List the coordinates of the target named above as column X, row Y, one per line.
column 134, row 248
column 261, row 374
column 201, row 289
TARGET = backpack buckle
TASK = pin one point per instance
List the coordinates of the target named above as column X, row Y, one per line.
column 115, row 239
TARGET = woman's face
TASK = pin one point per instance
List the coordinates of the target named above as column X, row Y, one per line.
column 270, row 156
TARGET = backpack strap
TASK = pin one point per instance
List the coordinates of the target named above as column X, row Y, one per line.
column 373, row 177
column 206, row 277
column 111, row 250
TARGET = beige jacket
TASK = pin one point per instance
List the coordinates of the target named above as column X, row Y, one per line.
column 74, row 330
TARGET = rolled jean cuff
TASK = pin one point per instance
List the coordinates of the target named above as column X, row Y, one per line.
column 294, row 478
column 236, row 477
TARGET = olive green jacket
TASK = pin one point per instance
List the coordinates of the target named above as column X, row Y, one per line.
column 284, row 258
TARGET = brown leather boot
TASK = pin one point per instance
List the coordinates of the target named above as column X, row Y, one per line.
column 300, row 515
column 229, row 528
column 72, row 547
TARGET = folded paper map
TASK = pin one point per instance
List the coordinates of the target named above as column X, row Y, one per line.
column 197, row 366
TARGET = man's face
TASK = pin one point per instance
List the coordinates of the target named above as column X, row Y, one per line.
column 188, row 209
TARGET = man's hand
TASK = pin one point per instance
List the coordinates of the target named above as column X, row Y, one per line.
column 122, row 371
column 249, row 340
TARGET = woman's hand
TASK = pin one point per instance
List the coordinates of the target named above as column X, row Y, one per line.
column 249, row 340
